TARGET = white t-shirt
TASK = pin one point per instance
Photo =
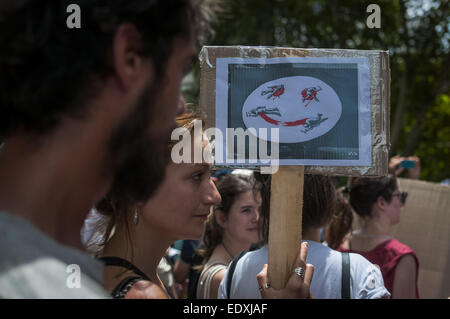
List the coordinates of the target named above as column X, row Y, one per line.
column 33, row 265
column 366, row 281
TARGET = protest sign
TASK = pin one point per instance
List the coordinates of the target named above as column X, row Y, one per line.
column 316, row 111
column 330, row 107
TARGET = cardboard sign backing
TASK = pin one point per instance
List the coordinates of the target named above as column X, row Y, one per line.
column 377, row 93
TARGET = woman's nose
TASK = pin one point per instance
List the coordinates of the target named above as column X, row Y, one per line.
column 256, row 216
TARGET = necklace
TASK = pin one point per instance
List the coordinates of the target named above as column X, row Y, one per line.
column 228, row 252
column 352, row 234
column 359, row 234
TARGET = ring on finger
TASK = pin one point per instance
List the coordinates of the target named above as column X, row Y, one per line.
column 300, row 271
column 265, row 286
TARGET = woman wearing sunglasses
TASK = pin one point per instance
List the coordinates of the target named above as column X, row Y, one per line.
column 378, row 201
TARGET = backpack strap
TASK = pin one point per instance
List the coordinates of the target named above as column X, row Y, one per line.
column 231, row 269
column 194, row 275
column 193, row 282
column 345, row 288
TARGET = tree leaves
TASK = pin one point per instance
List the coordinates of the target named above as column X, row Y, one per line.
column 416, row 33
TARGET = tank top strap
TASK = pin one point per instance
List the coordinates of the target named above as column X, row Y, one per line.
column 120, row 262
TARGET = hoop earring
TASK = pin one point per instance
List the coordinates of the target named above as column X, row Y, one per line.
column 136, row 216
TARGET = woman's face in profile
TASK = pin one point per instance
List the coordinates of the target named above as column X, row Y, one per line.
column 180, row 207
column 394, row 207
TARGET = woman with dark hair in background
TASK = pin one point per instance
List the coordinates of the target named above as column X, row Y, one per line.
column 378, row 201
column 341, row 221
column 363, row 279
column 232, row 228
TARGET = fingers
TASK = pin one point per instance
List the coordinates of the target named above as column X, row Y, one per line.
column 397, row 158
column 309, row 274
column 297, row 287
column 303, row 252
column 300, row 280
column 416, row 161
column 262, row 281
column 298, row 283
column 300, row 262
column 262, row 276
column 394, row 164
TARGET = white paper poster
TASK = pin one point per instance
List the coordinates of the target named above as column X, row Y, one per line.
column 319, row 106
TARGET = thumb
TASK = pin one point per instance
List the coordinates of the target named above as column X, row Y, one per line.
column 262, row 280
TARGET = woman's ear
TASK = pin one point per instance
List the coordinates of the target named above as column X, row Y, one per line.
column 221, row 218
column 380, row 203
column 140, row 205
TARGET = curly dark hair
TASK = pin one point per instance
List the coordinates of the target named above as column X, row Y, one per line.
column 341, row 221
column 49, row 70
column 319, row 198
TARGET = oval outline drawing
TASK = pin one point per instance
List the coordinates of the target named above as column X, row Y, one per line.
column 302, row 107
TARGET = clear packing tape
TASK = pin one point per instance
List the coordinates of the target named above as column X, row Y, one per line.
column 379, row 97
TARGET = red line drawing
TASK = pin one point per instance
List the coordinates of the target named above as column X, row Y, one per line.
column 274, row 91
column 309, row 94
column 269, row 119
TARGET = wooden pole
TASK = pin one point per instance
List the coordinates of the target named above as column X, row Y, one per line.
column 285, row 227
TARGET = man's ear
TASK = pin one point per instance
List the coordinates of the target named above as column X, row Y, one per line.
column 129, row 66
column 221, row 219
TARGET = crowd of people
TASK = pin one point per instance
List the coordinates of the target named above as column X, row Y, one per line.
column 86, row 117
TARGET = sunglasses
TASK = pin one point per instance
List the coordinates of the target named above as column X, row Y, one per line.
column 402, row 196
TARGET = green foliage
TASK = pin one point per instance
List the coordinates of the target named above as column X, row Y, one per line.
column 434, row 146
column 416, row 33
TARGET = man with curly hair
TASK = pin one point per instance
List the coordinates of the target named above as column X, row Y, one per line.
column 82, row 111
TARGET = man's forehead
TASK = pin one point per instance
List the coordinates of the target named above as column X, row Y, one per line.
column 205, row 166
